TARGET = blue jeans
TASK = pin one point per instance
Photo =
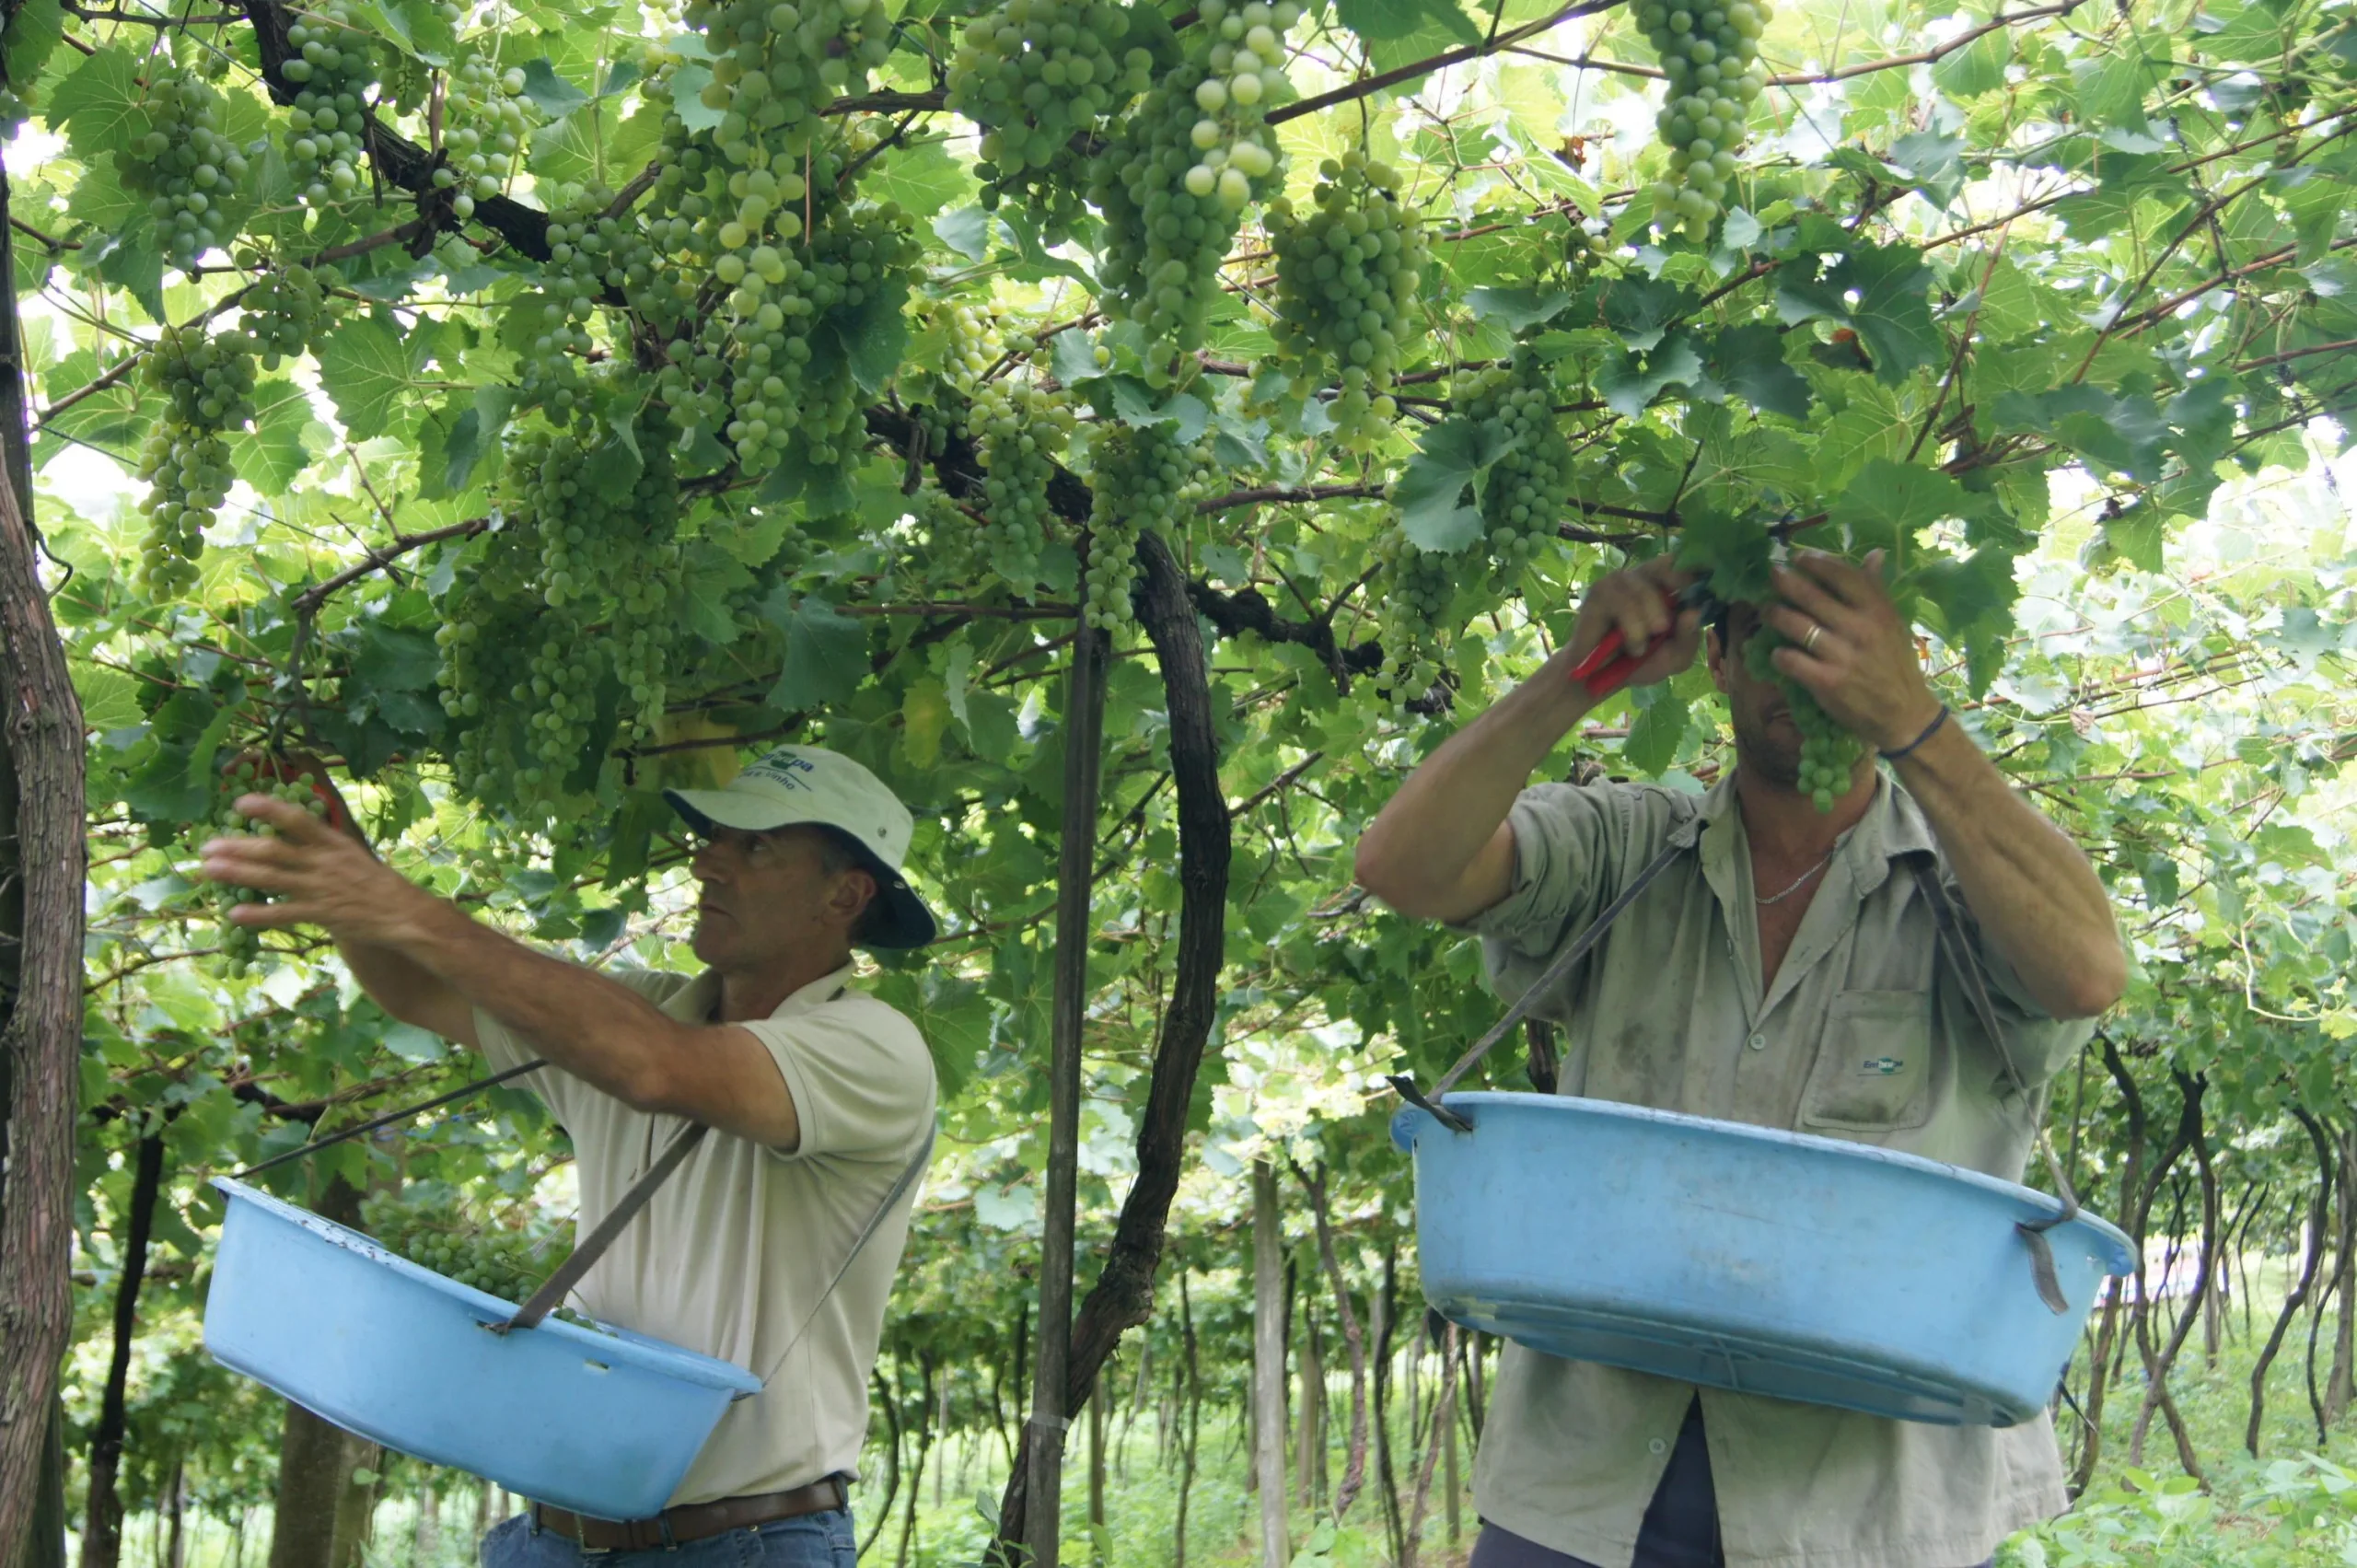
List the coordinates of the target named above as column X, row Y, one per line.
column 814, row 1540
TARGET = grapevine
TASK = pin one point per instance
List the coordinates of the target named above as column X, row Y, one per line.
column 1020, row 430
column 184, row 166
column 1034, row 74
column 1144, row 480
column 1412, row 590
column 1828, row 753
column 334, row 66
column 240, row 944
column 1174, row 183
column 207, row 384
column 1531, row 483
column 484, row 122
column 1710, row 50
column 1347, row 275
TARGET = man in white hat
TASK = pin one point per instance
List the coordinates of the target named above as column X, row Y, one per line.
column 763, row 1248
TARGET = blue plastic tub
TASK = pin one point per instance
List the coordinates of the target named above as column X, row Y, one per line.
column 1743, row 1258
column 602, row 1422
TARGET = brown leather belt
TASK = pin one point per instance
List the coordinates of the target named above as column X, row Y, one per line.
column 694, row 1521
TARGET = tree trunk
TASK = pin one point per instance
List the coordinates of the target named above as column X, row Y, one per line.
column 1354, row 1466
column 41, row 855
column 320, row 1510
column 1097, row 1400
column 2157, row 1365
column 1385, row 1481
column 425, row 1542
column 1310, row 1421
column 176, row 1510
column 1452, row 1480
column 1444, row 1417
column 2340, row 1388
column 916, row 1470
column 2131, row 1184
column 1122, row 1297
column 1044, row 1446
column 2319, row 1205
column 1189, row 1372
column 1269, row 1364
column 103, row 1521
column 889, row 1397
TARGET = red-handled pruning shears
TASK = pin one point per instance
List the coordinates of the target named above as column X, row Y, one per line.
column 1607, row 665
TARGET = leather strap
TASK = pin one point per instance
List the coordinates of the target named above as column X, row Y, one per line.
column 694, row 1521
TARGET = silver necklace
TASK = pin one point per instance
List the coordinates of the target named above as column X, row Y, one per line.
column 1824, row 860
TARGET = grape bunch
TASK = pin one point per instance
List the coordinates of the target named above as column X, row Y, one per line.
column 290, row 309
column 592, row 257
column 1413, row 589
column 484, row 122
column 778, row 64
column 1828, row 753
column 333, row 65
column 1035, row 74
column 1530, row 485
column 1179, row 172
column 429, row 1223
column 947, row 544
column 1347, row 275
column 1144, row 479
column 1710, row 50
column 207, row 384
column 1583, row 251
column 184, row 166
column 251, row 774
column 1019, row 430
column 970, row 344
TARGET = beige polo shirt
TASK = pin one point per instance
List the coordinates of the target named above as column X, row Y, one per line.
column 1669, row 1011
column 733, row 1253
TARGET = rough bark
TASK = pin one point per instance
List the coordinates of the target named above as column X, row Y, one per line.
column 320, row 1513
column 2131, row 1184
column 40, row 935
column 1444, row 1417
column 1189, row 1371
column 2319, row 1208
column 1122, row 1297
column 102, row 1519
column 1386, row 1482
column 2158, row 1363
column 2340, row 1387
column 1269, row 1364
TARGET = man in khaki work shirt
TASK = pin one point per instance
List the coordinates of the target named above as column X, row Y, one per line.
column 1748, row 984
column 820, row 1103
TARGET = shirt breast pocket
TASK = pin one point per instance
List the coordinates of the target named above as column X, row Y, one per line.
column 1874, row 1066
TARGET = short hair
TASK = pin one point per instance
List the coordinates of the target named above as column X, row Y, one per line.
column 838, row 853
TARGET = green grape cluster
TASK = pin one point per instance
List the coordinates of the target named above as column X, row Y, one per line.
column 777, row 64
column 1019, row 430
column 1530, row 485
column 207, row 384
column 333, row 66
column 240, row 944
column 1347, row 276
column 1710, row 49
column 593, row 257
column 290, row 309
column 758, row 277
column 945, row 546
column 1179, row 172
column 970, row 343
column 1034, row 74
column 1144, row 478
column 484, row 121
column 184, row 166
column 577, row 589
column 1583, row 251
column 1828, row 753
column 1413, row 589
column 429, row 1223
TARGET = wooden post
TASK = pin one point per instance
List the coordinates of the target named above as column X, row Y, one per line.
column 1269, row 1364
column 1044, row 1438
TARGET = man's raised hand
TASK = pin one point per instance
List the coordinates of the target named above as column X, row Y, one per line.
column 1638, row 603
column 1851, row 648
column 318, row 874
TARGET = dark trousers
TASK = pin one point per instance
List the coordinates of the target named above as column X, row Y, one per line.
column 1681, row 1528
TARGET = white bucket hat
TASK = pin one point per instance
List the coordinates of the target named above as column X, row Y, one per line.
column 796, row 784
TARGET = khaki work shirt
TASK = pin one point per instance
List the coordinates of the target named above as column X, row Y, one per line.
column 1669, row 1011
column 733, row 1254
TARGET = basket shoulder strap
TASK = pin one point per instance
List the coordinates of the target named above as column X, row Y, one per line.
column 899, row 1189
column 592, row 1247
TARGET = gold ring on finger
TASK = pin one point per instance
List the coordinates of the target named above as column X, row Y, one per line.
column 1808, row 644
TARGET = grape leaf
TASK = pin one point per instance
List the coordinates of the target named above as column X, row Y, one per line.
column 1519, row 308
column 128, row 259
column 1888, row 502
column 34, row 30
column 826, row 653
column 101, row 105
column 1640, row 309
column 1429, row 489
column 921, row 176
column 1630, row 381
column 1749, row 362
column 1656, row 732
column 271, row 455
column 1387, row 20
column 967, row 231
column 688, row 83
column 365, row 367
column 555, row 97
column 1735, row 551
column 2116, row 434
column 1891, row 317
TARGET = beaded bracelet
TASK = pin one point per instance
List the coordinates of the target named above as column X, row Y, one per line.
column 1929, row 730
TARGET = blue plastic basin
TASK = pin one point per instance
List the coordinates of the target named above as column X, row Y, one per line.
column 1744, row 1257
column 602, row 1422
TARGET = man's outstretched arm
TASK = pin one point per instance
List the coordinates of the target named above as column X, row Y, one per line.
column 1441, row 849
column 2032, row 890
column 428, row 963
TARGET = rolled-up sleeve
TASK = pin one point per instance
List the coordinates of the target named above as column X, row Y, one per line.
column 861, row 1078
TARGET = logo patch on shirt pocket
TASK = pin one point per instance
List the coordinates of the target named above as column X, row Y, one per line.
column 1871, row 1072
